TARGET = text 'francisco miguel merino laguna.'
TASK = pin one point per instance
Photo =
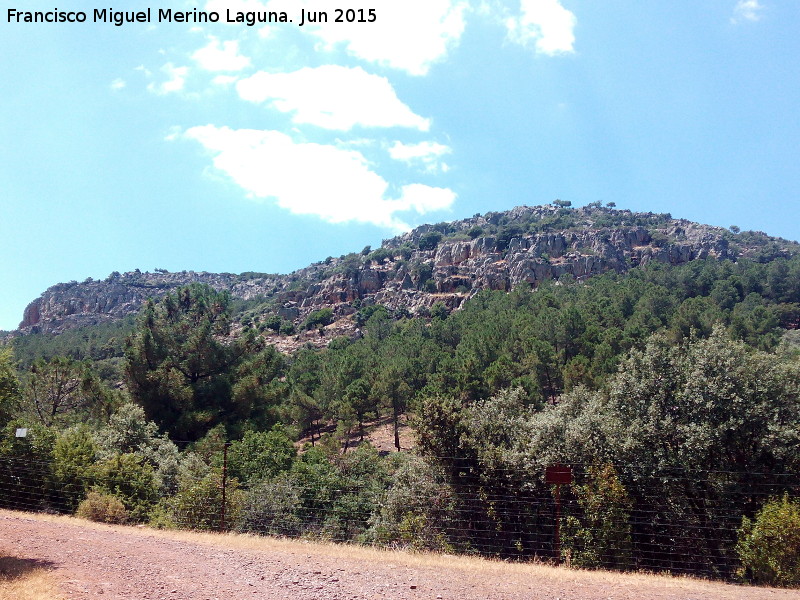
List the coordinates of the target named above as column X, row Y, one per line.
column 166, row 15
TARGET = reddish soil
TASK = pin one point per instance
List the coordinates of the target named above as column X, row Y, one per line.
column 129, row 563
column 380, row 434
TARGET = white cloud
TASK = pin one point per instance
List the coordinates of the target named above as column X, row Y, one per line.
column 334, row 184
column 410, row 35
column 118, row 84
column 425, row 154
column 221, row 56
column 175, row 133
column 544, row 23
column 332, row 97
column 176, row 79
column 224, row 80
column 424, row 198
column 746, row 10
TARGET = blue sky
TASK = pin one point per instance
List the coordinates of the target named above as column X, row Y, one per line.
column 224, row 147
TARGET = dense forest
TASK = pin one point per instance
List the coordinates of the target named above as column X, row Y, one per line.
column 672, row 391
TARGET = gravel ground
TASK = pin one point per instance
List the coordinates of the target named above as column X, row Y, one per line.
column 129, row 563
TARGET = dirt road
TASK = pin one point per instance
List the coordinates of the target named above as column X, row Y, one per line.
column 128, row 563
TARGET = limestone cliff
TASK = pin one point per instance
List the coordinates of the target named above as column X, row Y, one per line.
column 446, row 263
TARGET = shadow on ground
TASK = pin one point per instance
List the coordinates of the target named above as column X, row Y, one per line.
column 12, row 568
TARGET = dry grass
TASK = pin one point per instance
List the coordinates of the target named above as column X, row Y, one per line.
column 467, row 565
column 24, row 579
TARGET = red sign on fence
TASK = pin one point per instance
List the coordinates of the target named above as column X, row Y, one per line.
column 558, row 474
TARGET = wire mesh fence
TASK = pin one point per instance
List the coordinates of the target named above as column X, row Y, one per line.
column 626, row 517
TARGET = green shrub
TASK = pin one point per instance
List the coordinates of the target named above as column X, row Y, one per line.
column 73, row 457
column 129, row 478
column 263, row 454
column 9, row 386
column 273, row 507
column 602, row 536
column 273, row 322
column 429, row 240
column 103, row 508
column 198, row 504
column 439, row 311
column 318, row 318
column 659, row 239
column 161, row 516
column 26, row 466
column 416, row 509
column 769, row 546
column 475, row 232
column 381, row 254
column 286, row 328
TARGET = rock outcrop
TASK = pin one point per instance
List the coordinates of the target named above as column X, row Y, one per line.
column 446, row 263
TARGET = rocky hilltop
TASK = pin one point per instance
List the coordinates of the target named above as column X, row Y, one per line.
column 446, row 262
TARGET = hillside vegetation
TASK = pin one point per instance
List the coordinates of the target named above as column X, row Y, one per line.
column 671, row 386
column 446, row 263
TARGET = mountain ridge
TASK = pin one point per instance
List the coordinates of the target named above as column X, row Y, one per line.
column 443, row 263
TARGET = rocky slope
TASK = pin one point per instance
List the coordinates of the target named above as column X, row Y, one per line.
column 446, row 263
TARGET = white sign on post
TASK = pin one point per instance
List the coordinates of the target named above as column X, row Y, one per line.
column 22, row 432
